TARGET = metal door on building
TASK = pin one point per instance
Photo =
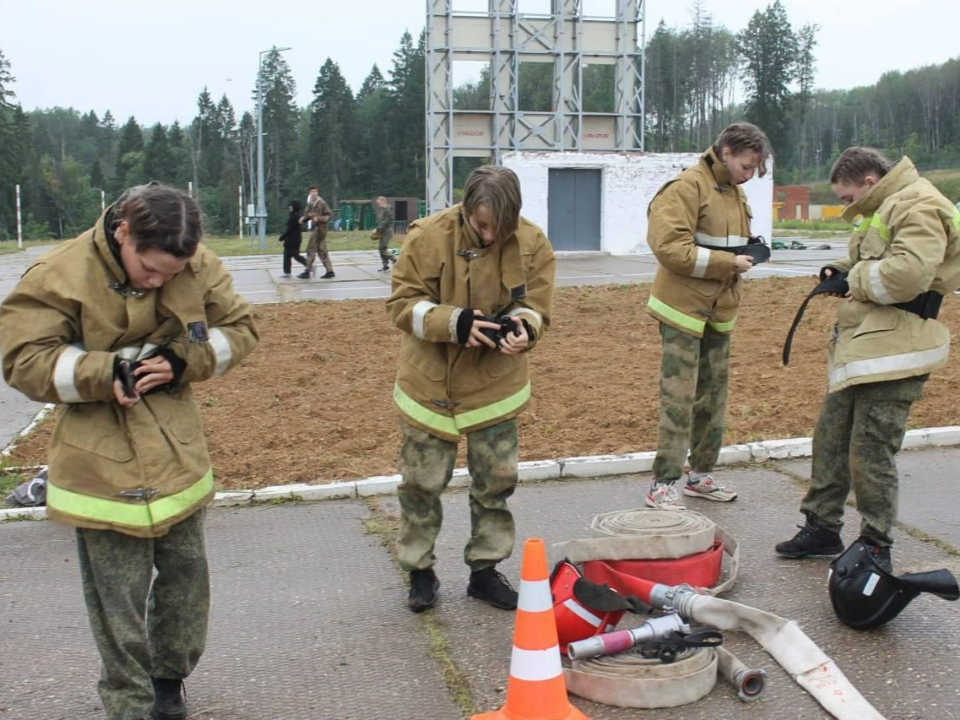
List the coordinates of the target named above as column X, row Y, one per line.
column 573, row 209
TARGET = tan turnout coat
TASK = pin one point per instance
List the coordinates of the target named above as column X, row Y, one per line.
column 138, row 470
column 444, row 388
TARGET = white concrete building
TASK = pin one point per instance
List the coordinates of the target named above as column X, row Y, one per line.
column 598, row 201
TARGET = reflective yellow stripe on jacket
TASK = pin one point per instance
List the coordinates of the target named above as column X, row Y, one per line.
column 458, row 423
column 128, row 512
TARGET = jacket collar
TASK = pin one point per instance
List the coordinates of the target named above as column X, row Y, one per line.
column 902, row 174
column 109, row 251
column 511, row 268
column 716, row 167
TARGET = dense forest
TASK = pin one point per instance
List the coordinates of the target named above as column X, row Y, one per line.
column 370, row 142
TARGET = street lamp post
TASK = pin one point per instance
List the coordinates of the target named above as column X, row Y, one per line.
column 261, row 193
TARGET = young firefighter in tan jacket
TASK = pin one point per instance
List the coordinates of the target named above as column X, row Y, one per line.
column 476, row 257
column 696, row 220
column 115, row 326
column 904, row 256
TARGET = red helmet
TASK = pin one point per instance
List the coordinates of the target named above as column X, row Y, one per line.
column 575, row 620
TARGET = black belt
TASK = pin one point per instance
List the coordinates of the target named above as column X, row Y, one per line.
column 756, row 249
column 926, row 305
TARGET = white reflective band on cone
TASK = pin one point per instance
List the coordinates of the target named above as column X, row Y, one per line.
column 535, row 665
column 535, row 596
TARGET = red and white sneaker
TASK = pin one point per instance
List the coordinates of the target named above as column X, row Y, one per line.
column 704, row 486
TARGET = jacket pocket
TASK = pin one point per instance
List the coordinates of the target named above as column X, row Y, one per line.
column 880, row 319
column 94, row 428
column 426, row 357
column 700, row 286
column 177, row 414
column 497, row 364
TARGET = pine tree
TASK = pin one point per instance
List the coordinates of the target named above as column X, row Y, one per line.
column 129, row 169
column 158, row 162
column 373, row 149
column 406, row 119
column 280, row 117
column 331, row 132
column 769, row 48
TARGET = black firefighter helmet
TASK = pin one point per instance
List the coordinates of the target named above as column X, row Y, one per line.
column 865, row 596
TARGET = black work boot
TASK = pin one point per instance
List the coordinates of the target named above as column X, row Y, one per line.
column 305, row 275
column 423, row 590
column 492, row 587
column 811, row 541
column 169, row 703
column 328, row 274
column 881, row 555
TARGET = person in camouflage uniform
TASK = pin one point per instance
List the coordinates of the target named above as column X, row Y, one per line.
column 115, row 326
column 695, row 220
column 903, row 257
column 478, row 257
column 384, row 232
column 318, row 212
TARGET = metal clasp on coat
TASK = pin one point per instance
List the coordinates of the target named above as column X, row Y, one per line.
column 127, row 291
column 445, row 404
column 141, row 493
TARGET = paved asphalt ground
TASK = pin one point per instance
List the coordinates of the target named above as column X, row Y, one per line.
column 309, row 618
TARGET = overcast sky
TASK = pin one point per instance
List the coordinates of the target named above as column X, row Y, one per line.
column 152, row 59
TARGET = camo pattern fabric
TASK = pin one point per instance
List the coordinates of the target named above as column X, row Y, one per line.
column 116, row 571
column 426, row 463
column 385, row 232
column 693, row 401
column 318, row 246
column 855, row 443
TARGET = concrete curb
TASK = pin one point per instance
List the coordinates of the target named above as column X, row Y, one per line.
column 535, row 471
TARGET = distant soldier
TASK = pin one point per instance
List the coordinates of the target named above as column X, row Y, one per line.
column 384, row 231
column 903, row 257
column 318, row 212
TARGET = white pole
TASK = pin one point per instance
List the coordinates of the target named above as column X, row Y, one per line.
column 19, row 224
column 240, row 209
column 190, row 188
column 103, row 201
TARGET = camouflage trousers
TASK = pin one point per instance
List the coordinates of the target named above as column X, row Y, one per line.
column 855, row 443
column 144, row 626
column 318, row 246
column 693, row 401
column 426, row 463
column 384, row 247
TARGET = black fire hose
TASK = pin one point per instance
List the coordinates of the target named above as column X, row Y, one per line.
column 836, row 284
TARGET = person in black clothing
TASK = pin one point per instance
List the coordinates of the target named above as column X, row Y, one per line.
column 292, row 237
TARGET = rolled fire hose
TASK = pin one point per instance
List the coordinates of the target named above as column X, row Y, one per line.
column 653, row 535
column 783, row 639
column 630, row 680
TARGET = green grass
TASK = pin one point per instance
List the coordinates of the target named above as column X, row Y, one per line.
column 831, row 225
column 8, row 481
column 232, row 245
column 229, row 246
column 9, row 247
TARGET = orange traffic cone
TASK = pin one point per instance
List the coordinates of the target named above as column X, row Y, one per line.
column 536, row 689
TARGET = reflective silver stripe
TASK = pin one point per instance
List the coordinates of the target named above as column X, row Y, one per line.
column 420, row 311
column 535, row 665
column 877, row 288
column 891, row 363
column 64, row 373
column 221, row 348
column 521, row 310
column 582, row 612
column 535, row 596
column 703, row 260
column 719, row 242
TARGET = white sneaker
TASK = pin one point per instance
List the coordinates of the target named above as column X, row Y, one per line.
column 664, row 496
column 708, row 488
